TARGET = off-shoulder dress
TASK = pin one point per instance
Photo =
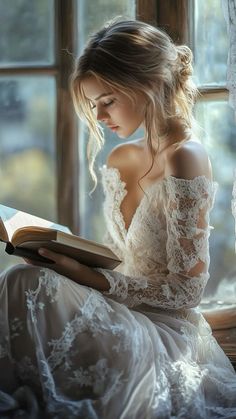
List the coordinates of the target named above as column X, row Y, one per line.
column 141, row 350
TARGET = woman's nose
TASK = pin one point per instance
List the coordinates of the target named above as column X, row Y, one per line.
column 101, row 114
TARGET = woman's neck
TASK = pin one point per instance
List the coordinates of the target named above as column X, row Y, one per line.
column 175, row 133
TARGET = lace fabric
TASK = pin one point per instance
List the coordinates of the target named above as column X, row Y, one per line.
column 229, row 9
column 233, row 203
column 186, row 205
column 69, row 351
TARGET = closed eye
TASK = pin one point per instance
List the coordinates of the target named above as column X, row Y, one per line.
column 93, row 106
column 109, row 103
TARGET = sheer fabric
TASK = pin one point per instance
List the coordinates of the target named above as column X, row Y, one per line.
column 182, row 279
column 229, row 9
column 142, row 350
column 233, row 204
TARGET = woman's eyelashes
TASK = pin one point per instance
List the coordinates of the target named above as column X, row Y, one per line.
column 108, row 103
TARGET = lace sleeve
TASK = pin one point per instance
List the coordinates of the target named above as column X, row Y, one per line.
column 187, row 204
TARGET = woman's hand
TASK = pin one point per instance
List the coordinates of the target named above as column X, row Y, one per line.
column 72, row 269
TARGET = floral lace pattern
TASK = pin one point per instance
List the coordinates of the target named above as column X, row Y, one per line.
column 69, row 351
column 186, row 205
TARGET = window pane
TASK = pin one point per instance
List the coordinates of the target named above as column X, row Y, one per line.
column 219, row 133
column 27, row 149
column 26, row 32
column 210, row 43
column 91, row 16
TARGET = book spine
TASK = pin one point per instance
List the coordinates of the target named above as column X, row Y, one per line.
column 9, row 248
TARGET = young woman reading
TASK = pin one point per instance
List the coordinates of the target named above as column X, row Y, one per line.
column 86, row 343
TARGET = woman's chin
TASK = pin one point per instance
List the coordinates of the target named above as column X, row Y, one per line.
column 123, row 134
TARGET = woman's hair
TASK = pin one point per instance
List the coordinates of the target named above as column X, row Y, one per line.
column 132, row 56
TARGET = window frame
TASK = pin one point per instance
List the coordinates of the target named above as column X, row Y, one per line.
column 66, row 126
column 175, row 17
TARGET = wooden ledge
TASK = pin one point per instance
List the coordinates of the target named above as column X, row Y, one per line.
column 223, row 324
column 222, row 318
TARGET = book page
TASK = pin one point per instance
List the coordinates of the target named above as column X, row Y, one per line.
column 14, row 219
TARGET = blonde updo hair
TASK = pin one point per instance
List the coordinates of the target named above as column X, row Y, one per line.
column 132, row 56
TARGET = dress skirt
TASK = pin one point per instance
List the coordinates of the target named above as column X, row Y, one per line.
column 68, row 351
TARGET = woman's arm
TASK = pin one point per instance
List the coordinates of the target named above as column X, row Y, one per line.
column 74, row 270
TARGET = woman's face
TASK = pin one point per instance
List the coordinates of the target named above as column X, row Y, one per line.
column 113, row 108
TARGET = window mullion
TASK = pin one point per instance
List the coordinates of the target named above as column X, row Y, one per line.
column 67, row 144
column 172, row 16
column 146, row 10
column 12, row 71
column 207, row 94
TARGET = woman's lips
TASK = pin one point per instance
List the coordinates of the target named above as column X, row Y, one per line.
column 113, row 127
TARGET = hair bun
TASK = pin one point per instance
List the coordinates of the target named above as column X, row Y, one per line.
column 185, row 57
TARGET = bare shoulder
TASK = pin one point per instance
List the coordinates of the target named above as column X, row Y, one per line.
column 125, row 155
column 188, row 160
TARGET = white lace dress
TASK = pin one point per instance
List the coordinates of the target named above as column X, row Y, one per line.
column 140, row 350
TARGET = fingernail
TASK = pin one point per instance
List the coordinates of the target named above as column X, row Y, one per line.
column 41, row 252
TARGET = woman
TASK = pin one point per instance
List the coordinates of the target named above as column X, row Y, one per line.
column 93, row 343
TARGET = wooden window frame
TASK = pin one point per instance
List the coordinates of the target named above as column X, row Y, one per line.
column 66, row 137
column 67, row 124
column 175, row 16
column 146, row 10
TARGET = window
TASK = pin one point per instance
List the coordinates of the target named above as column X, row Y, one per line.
column 216, row 117
column 37, row 116
column 27, row 109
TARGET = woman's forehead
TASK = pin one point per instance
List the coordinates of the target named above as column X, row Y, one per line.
column 94, row 88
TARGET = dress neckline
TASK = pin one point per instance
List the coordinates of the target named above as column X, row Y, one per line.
column 123, row 187
column 157, row 183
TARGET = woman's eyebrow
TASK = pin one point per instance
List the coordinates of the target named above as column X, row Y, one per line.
column 102, row 95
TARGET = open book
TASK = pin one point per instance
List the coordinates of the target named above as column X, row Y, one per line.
column 24, row 234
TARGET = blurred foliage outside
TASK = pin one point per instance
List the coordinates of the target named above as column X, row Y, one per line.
column 210, row 43
column 93, row 14
column 27, row 148
column 26, row 32
column 219, row 136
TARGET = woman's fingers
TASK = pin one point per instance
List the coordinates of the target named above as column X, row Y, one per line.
column 49, row 254
column 38, row 262
column 59, row 259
